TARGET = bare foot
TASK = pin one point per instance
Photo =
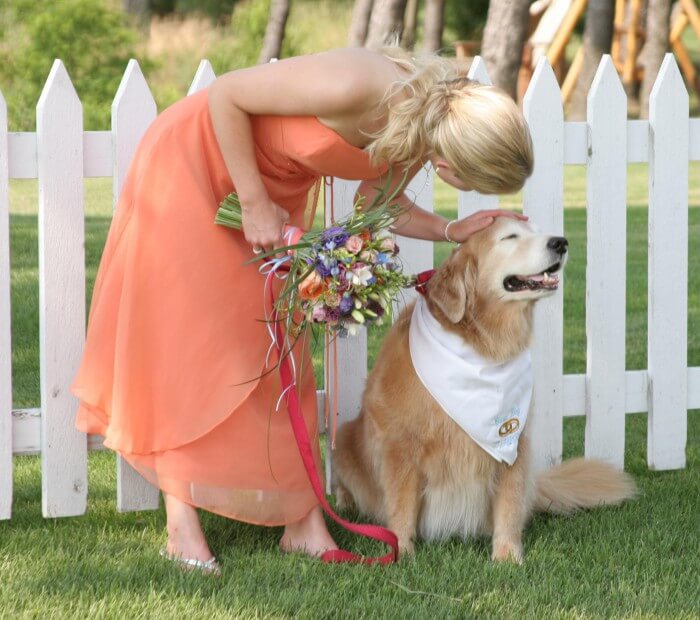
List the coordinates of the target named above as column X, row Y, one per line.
column 308, row 535
column 185, row 537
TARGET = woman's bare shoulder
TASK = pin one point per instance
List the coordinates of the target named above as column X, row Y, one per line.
column 334, row 82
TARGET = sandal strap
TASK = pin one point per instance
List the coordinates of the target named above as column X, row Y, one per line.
column 209, row 565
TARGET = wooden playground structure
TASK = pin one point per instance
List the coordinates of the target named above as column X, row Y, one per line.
column 552, row 24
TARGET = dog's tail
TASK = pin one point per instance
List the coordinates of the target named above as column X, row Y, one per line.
column 582, row 483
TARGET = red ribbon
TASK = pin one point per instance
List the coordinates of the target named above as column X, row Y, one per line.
column 301, row 435
column 422, row 280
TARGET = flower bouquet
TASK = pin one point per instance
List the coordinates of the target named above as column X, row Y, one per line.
column 344, row 277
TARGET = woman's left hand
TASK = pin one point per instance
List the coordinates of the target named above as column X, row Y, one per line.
column 460, row 230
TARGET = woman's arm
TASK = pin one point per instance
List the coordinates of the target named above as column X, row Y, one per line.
column 333, row 85
column 420, row 224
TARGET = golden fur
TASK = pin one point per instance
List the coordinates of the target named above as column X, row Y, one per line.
column 405, row 463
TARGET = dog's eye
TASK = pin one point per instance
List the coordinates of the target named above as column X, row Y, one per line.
column 513, row 236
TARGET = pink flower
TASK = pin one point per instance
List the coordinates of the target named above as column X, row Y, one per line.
column 353, row 244
column 388, row 245
column 332, row 300
column 318, row 313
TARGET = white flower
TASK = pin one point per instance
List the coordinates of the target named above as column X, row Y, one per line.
column 361, row 276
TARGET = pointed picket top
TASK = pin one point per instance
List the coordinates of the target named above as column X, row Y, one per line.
column 543, row 86
column 669, row 88
column 204, row 77
column 58, row 87
column 606, row 89
column 133, row 89
column 478, row 71
column 133, row 110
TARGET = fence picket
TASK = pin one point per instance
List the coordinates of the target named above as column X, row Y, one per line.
column 606, row 248
column 133, row 110
column 352, row 351
column 416, row 254
column 543, row 203
column 61, row 292
column 668, row 269
column 205, row 75
column 471, row 202
column 5, row 330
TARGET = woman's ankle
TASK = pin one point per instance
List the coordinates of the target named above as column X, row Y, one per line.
column 185, row 536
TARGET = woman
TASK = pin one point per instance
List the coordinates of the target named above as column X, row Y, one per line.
column 174, row 370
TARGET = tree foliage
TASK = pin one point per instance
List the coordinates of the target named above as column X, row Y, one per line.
column 93, row 41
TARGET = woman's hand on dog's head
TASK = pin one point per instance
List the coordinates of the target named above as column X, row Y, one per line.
column 462, row 229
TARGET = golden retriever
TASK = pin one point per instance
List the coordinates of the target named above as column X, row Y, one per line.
column 407, row 464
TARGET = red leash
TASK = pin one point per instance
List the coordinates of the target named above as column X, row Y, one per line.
column 301, row 435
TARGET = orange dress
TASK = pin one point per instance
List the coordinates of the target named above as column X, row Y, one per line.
column 173, row 373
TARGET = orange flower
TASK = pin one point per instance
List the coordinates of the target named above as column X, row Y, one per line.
column 312, row 286
column 365, row 235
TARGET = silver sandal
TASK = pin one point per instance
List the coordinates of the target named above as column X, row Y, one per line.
column 210, row 567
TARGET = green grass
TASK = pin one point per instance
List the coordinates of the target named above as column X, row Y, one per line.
column 638, row 560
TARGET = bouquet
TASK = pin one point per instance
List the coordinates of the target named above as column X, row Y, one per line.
column 343, row 277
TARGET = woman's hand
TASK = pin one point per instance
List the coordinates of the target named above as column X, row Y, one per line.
column 459, row 231
column 263, row 225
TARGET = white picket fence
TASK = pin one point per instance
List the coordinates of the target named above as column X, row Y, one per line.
column 60, row 155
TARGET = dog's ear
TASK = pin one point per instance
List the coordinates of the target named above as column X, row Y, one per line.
column 447, row 289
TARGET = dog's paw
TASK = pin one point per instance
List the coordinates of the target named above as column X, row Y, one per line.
column 343, row 499
column 507, row 551
column 406, row 549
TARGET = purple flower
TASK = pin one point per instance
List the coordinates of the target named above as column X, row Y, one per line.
column 346, row 304
column 333, row 237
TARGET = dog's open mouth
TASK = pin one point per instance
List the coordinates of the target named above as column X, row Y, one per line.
column 545, row 280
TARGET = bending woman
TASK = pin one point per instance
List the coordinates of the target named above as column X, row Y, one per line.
column 173, row 373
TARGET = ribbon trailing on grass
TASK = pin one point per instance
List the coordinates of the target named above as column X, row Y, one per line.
column 296, row 418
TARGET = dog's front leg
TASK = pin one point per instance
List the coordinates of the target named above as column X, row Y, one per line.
column 400, row 481
column 511, row 508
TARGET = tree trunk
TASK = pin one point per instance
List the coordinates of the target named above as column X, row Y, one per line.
column 597, row 39
column 139, row 9
column 360, row 23
column 504, row 37
column 408, row 38
column 434, row 21
column 658, row 25
column 386, row 23
column 274, row 33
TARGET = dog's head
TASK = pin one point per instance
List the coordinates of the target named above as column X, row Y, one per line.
column 496, row 276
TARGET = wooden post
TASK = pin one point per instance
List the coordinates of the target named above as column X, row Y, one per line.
column 558, row 46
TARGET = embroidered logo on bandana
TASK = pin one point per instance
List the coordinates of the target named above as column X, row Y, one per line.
column 488, row 400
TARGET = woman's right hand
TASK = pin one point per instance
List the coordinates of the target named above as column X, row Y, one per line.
column 263, row 225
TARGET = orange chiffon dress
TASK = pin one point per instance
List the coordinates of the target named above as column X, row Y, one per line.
column 174, row 370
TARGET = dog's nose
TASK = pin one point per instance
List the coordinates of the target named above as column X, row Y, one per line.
column 558, row 244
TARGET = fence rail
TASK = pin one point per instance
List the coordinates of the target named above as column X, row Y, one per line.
column 60, row 155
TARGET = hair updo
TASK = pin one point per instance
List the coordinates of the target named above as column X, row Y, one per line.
column 477, row 129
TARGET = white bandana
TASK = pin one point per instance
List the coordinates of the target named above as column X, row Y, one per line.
column 488, row 400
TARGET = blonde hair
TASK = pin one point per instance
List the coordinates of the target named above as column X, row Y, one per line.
column 477, row 129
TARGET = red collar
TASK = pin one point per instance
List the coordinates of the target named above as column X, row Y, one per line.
column 422, row 280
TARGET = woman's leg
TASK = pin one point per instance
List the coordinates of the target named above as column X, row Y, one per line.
column 185, row 536
column 308, row 535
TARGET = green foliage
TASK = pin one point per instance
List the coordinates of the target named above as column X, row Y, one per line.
column 465, row 20
column 216, row 10
column 247, row 29
column 93, row 41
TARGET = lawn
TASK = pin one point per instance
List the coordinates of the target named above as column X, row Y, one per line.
column 639, row 560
